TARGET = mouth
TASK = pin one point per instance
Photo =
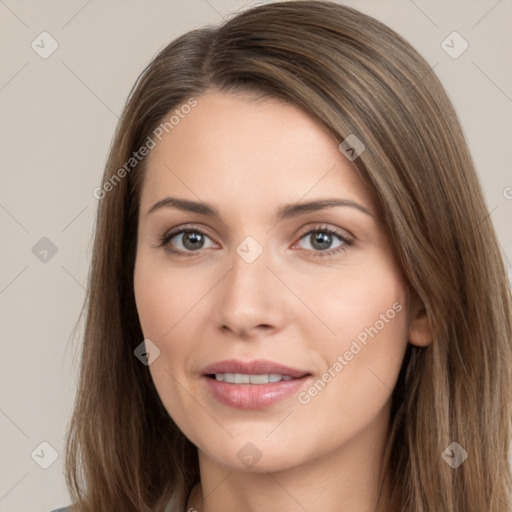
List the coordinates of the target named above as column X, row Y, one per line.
column 254, row 384
column 254, row 368
column 245, row 378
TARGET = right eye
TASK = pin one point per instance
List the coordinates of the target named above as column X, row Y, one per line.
column 190, row 239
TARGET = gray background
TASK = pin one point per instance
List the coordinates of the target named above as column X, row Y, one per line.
column 58, row 117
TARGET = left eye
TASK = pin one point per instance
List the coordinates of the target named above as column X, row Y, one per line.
column 321, row 240
column 191, row 240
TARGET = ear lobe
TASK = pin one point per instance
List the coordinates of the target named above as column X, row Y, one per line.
column 420, row 333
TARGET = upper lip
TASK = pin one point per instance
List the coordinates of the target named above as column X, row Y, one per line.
column 255, row 367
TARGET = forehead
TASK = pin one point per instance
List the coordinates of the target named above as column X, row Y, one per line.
column 263, row 151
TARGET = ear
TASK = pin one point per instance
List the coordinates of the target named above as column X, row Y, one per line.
column 420, row 332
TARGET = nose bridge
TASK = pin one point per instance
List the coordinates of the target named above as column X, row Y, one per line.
column 248, row 296
column 249, row 274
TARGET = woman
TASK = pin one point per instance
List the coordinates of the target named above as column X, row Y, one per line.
column 297, row 299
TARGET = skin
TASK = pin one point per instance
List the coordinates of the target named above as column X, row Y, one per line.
column 291, row 305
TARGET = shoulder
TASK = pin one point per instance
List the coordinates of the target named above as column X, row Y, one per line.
column 64, row 509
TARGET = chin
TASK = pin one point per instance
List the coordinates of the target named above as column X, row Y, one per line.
column 256, row 457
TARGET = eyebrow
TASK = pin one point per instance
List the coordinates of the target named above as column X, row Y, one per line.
column 285, row 212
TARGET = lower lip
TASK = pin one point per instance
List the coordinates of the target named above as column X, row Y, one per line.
column 253, row 396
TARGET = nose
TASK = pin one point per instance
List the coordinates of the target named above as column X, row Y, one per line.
column 250, row 300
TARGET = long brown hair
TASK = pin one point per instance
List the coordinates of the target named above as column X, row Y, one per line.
column 357, row 77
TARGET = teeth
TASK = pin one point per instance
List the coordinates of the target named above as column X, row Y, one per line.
column 243, row 378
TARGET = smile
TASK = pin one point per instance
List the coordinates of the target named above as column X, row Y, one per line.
column 243, row 378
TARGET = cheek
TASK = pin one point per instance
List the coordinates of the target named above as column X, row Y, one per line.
column 170, row 305
column 165, row 304
column 368, row 313
column 353, row 299
column 163, row 299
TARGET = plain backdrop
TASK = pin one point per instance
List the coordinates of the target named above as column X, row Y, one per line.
column 58, row 114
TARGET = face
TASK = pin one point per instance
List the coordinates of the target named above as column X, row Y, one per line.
column 311, row 296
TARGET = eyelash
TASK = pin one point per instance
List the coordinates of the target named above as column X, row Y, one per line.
column 165, row 239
